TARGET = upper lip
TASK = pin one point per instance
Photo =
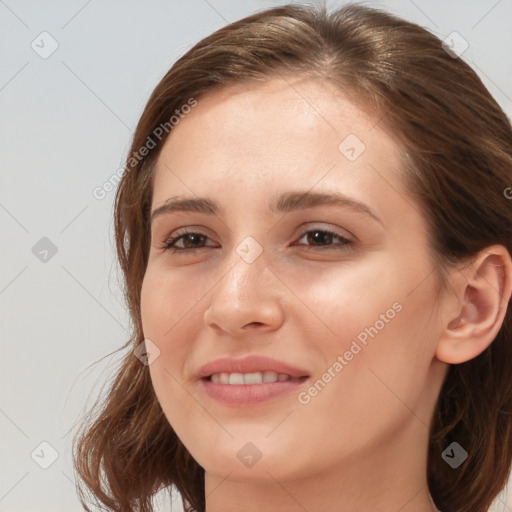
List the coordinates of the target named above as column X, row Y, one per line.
column 249, row 364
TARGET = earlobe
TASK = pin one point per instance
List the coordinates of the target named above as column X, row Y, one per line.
column 483, row 291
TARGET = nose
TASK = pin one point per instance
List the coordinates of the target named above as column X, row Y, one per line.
column 247, row 297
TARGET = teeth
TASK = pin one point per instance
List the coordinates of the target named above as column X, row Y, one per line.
column 238, row 379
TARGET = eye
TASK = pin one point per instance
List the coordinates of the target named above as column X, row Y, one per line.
column 323, row 238
column 185, row 242
column 193, row 239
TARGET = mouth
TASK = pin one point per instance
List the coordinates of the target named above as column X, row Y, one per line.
column 244, row 379
column 251, row 380
column 251, row 389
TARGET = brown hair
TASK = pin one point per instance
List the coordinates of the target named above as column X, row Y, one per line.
column 457, row 147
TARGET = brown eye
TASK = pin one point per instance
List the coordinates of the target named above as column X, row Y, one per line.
column 323, row 238
column 185, row 242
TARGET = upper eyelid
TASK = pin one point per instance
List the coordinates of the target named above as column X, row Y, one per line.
column 201, row 230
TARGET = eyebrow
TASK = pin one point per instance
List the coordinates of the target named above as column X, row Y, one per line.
column 288, row 202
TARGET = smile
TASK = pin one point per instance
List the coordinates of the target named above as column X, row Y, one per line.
column 238, row 379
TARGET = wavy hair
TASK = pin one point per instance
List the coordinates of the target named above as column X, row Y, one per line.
column 457, row 162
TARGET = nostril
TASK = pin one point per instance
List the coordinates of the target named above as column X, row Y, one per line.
column 254, row 324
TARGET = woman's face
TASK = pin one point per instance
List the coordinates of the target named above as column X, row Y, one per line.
column 288, row 163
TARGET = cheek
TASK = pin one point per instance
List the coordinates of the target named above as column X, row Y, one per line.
column 376, row 389
column 345, row 297
column 171, row 318
column 153, row 298
column 168, row 301
column 382, row 332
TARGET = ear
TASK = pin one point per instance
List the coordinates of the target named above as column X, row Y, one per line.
column 474, row 315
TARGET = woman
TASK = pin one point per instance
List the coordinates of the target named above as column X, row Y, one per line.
column 315, row 236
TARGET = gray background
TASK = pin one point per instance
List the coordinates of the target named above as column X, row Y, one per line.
column 65, row 127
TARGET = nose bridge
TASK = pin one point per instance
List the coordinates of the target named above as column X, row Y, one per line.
column 246, row 276
column 243, row 295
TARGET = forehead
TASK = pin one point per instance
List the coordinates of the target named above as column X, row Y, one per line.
column 287, row 131
column 290, row 109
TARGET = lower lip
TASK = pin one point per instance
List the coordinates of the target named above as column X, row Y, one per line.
column 249, row 394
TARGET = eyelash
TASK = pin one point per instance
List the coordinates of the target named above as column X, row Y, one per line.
column 168, row 244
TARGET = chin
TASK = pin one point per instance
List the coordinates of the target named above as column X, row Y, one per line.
column 247, row 460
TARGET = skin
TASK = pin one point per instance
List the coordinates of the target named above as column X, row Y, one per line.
column 361, row 443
